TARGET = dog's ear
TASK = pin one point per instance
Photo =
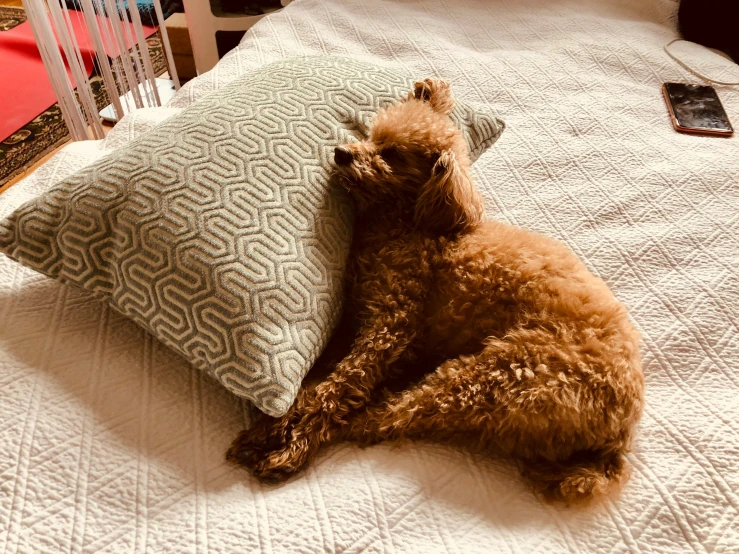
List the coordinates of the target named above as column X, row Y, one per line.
column 436, row 92
column 448, row 202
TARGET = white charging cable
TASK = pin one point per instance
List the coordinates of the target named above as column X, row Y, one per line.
column 693, row 71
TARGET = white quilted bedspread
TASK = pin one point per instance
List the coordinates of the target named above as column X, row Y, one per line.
column 111, row 443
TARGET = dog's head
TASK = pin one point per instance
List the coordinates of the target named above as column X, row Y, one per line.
column 414, row 158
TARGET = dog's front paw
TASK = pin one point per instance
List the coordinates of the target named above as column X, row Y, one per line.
column 247, row 450
column 268, row 465
column 264, row 436
column 273, row 449
column 281, row 464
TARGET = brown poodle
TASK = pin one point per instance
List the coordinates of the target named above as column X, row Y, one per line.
column 461, row 329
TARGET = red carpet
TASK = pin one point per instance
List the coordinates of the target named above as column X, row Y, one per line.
column 25, row 89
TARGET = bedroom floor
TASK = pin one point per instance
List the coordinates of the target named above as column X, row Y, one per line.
column 6, row 186
column 38, row 163
column 29, row 170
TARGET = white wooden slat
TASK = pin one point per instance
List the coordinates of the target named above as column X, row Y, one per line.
column 111, row 9
column 101, row 55
column 109, row 41
column 65, row 32
column 54, row 64
column 136, row 59
column 145, row 55
column 166, row 45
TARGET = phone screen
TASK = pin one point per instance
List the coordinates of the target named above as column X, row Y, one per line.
column 697, row 107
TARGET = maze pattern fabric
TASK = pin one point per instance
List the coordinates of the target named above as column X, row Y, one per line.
column 218, row 232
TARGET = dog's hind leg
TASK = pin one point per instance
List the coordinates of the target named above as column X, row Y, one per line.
column 445, row 404
column 569, row 424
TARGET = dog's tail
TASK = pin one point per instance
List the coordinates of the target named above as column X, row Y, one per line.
column 587, row 475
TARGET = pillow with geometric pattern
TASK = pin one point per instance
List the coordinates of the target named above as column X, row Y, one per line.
column 218, row 231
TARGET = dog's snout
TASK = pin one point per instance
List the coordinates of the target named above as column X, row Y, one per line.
column 342, row 155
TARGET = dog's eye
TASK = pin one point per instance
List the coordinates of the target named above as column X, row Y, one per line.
column 390, row 154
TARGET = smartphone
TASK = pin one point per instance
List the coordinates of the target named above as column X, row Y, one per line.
column 696, row 109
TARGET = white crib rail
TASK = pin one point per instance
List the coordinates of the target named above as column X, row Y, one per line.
column 132, row 74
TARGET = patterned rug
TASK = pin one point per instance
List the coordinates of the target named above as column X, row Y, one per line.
column 48, row 131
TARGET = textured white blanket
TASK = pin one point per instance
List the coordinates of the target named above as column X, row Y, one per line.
column 110, row 443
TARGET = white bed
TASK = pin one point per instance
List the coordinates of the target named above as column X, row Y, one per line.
column 111, row 443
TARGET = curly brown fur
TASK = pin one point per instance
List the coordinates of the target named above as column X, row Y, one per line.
column 519, row 346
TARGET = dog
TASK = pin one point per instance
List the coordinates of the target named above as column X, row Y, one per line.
column 459, row 327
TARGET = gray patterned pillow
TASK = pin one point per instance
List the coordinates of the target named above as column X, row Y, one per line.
column 217, row 231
